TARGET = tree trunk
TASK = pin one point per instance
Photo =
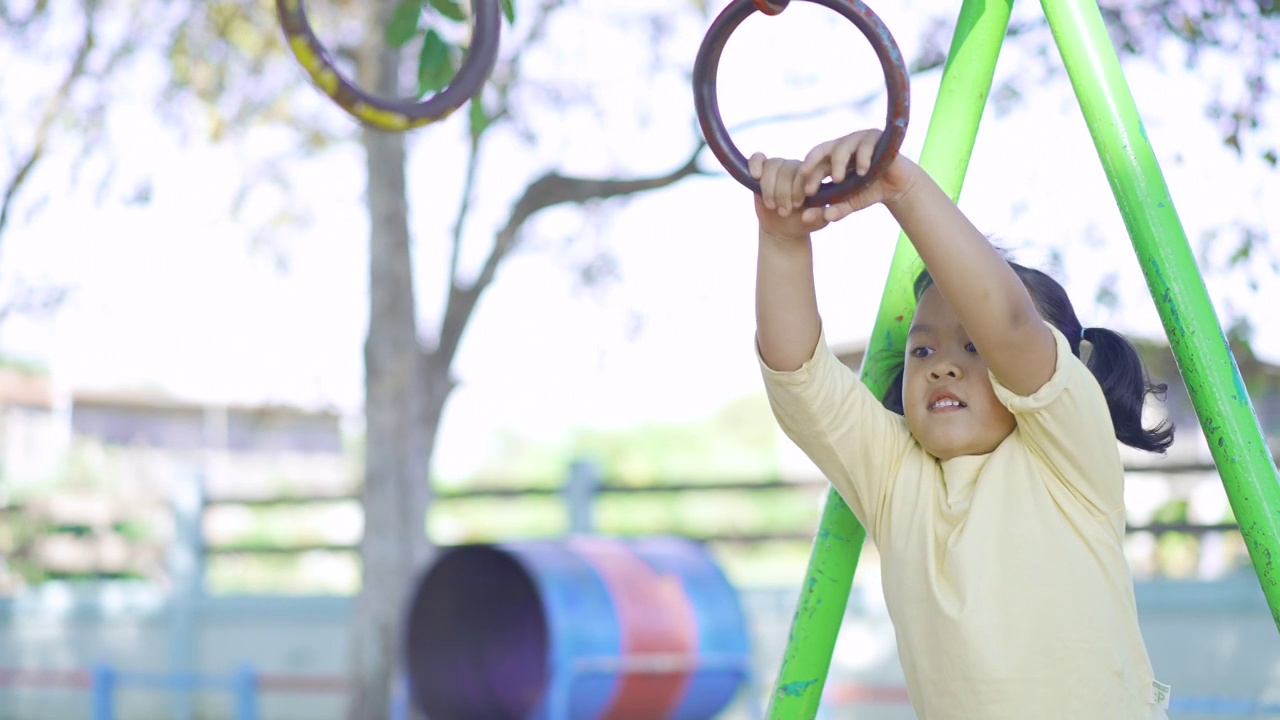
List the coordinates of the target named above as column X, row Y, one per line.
column 401, row 410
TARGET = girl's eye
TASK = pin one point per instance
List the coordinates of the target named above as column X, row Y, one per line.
column 920, row 352
column 970, row 347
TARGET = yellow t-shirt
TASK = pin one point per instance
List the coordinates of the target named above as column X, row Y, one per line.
column 1004, row 574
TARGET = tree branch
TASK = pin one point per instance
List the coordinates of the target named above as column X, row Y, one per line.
column 52, row 110
column 464, row 206
column 550, row 190
column 502, row 82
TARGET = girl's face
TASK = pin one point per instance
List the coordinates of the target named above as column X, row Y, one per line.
column 947, row 396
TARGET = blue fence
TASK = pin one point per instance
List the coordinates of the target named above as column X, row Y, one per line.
column 244, row 684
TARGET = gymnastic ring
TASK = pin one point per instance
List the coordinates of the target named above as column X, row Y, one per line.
column 771, row 7
column 896, row 82
column 395, row 115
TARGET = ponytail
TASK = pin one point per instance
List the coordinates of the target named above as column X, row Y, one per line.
column 1116, row 365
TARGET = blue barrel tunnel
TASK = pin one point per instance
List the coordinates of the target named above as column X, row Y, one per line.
column 579, row 628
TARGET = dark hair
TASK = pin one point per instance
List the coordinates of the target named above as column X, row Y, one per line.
column 1114, row 362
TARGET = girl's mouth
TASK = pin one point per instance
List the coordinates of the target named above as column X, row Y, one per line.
column 946, row 404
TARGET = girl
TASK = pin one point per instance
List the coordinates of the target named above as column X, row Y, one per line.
column 990, row 479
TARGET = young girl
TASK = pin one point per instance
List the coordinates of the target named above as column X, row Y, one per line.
column 989, row 480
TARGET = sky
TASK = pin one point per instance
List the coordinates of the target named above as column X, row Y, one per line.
column 173, row 295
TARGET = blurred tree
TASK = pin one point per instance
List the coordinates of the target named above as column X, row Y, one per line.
column 227, row 54
column 408, row 376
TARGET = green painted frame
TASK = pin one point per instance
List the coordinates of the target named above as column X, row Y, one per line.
column 1195, row 335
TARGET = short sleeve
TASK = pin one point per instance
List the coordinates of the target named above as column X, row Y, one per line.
column 1068, row 424
column 836, row 421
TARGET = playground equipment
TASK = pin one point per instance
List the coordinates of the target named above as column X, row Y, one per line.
column 586, row 627
column 708, row 106
column 245, row 685
column 1199, row 345
column 395, row 114
column 241, row 684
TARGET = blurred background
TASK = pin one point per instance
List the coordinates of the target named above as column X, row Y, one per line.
column 247, row 347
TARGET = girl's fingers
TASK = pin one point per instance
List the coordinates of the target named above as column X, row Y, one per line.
column 812, row 216
column 775, row 185
column 840, row 158
column 863, row 158
column 783, row 188
column 837, row 212
column 768, row 176
column 817, row 173
column 798, row 186
column 780, row 196
column 816, row 157
column 816, row 167
column 755, row 165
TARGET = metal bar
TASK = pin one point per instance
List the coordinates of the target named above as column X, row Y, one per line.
column 186, row 574
column 245, row 549
column 244, row 684
column 184, row 681
column 282, row 683
column 966, row 83
column 737, row 538
column 1199, row 346
column 479, row 493
column 102, row 692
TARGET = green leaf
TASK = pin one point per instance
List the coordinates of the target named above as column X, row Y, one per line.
column 404, row 22
column 479, row 119
column 1243, row 251
column 449, row 8
column 509, row 10
column 435, row 64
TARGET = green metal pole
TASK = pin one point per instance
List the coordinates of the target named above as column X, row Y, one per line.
column 966, row 82
column 1199, row 345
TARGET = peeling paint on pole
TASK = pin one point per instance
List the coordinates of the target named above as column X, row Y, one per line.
column 1203, row 355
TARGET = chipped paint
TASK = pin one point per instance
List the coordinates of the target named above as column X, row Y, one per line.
column 797, row 688
column 1166, row 297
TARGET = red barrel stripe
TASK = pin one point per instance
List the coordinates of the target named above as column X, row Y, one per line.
column 656, row 619
column 44, row 678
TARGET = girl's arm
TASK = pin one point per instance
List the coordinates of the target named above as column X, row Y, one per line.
column 992, row 303
column 818, row 402
column 787, row 321
column 989, row 298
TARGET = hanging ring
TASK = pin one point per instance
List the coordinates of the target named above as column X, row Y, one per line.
column 708, row 107
column 395, row 115
column 771, row 7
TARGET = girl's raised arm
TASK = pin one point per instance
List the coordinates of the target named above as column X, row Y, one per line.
column 787, row 321
column 993, row 305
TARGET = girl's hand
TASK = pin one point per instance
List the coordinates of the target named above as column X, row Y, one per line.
column 781, row 198
column 835, row 158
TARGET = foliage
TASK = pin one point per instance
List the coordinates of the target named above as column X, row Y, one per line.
column 1235, row 43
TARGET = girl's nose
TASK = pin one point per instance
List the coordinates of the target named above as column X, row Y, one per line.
column 944, row 368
